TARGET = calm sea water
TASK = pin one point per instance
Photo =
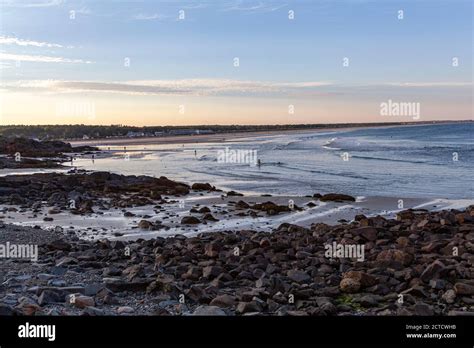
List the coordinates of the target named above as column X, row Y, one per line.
column 432, row 161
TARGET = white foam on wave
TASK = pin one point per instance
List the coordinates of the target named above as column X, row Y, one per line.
column 328, row 145
column 443, row 204
column 28, row 171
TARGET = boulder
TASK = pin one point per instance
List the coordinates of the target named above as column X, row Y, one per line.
column 242, row 205
column 298, row 276
column 204, row 210
column 125, row 310
column 208, row 311
column 364, row 279
column 394, row 258
column 212, row 249
column 59, row 244
column 190, row 220
column 50, row 296
column 81, row 301
column 145, row 225
column 271, row 208
column 233, row 193
column 336, row 197
column 423, row 309
column 449, row 296
column 247, row 307
column 349, row 285
column 211, row 271
column 209, row 217
column 368, row 233
column 224, row 301
column 202, row 187
column 464, row 289
column 434, row 270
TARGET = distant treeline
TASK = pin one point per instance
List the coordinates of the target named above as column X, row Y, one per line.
column 59, row 132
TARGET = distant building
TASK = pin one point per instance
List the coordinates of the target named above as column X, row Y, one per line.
column 85, row 137
column 135, row 134
column 182, row 131
column 159, row 134
column 204, row 131
column 190, row 131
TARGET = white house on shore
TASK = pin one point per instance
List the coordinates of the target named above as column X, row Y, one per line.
column 190, row 131
column 135, row 134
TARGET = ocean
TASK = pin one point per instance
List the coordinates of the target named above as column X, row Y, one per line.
column 420, row 161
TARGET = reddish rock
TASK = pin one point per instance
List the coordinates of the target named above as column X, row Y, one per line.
column 393, row 258
column 434, row 270
column 349, row 285
column 368, row 233
column 224, row 301
column 364, row 279
column 464, row 289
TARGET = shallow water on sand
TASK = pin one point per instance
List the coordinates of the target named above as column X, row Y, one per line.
column 424, row 161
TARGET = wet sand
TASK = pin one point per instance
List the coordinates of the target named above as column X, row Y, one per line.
column 112, row 223
column 201, row 138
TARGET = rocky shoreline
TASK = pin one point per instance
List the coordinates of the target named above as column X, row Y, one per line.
column 421, row 263
column 51, row 196
column 78, row 191
column 21, row 153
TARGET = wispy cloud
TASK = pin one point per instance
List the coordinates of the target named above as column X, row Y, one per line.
column 5, row 65
column 38, row 58
column 195, row 6
column 214, row 87
column 430, row 84
column 83, row 11
column 196, row 87
column 149, row 17
column 251, row 6
column 31, row 3
column 4, row 40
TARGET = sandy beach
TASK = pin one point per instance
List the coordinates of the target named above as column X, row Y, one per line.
column 196, row 139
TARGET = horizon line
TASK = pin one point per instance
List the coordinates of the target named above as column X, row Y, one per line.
column 245, row 125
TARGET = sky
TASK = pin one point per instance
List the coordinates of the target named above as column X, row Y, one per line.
column 173, row 62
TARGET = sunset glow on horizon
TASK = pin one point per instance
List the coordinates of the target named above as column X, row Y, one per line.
column 233, row 62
